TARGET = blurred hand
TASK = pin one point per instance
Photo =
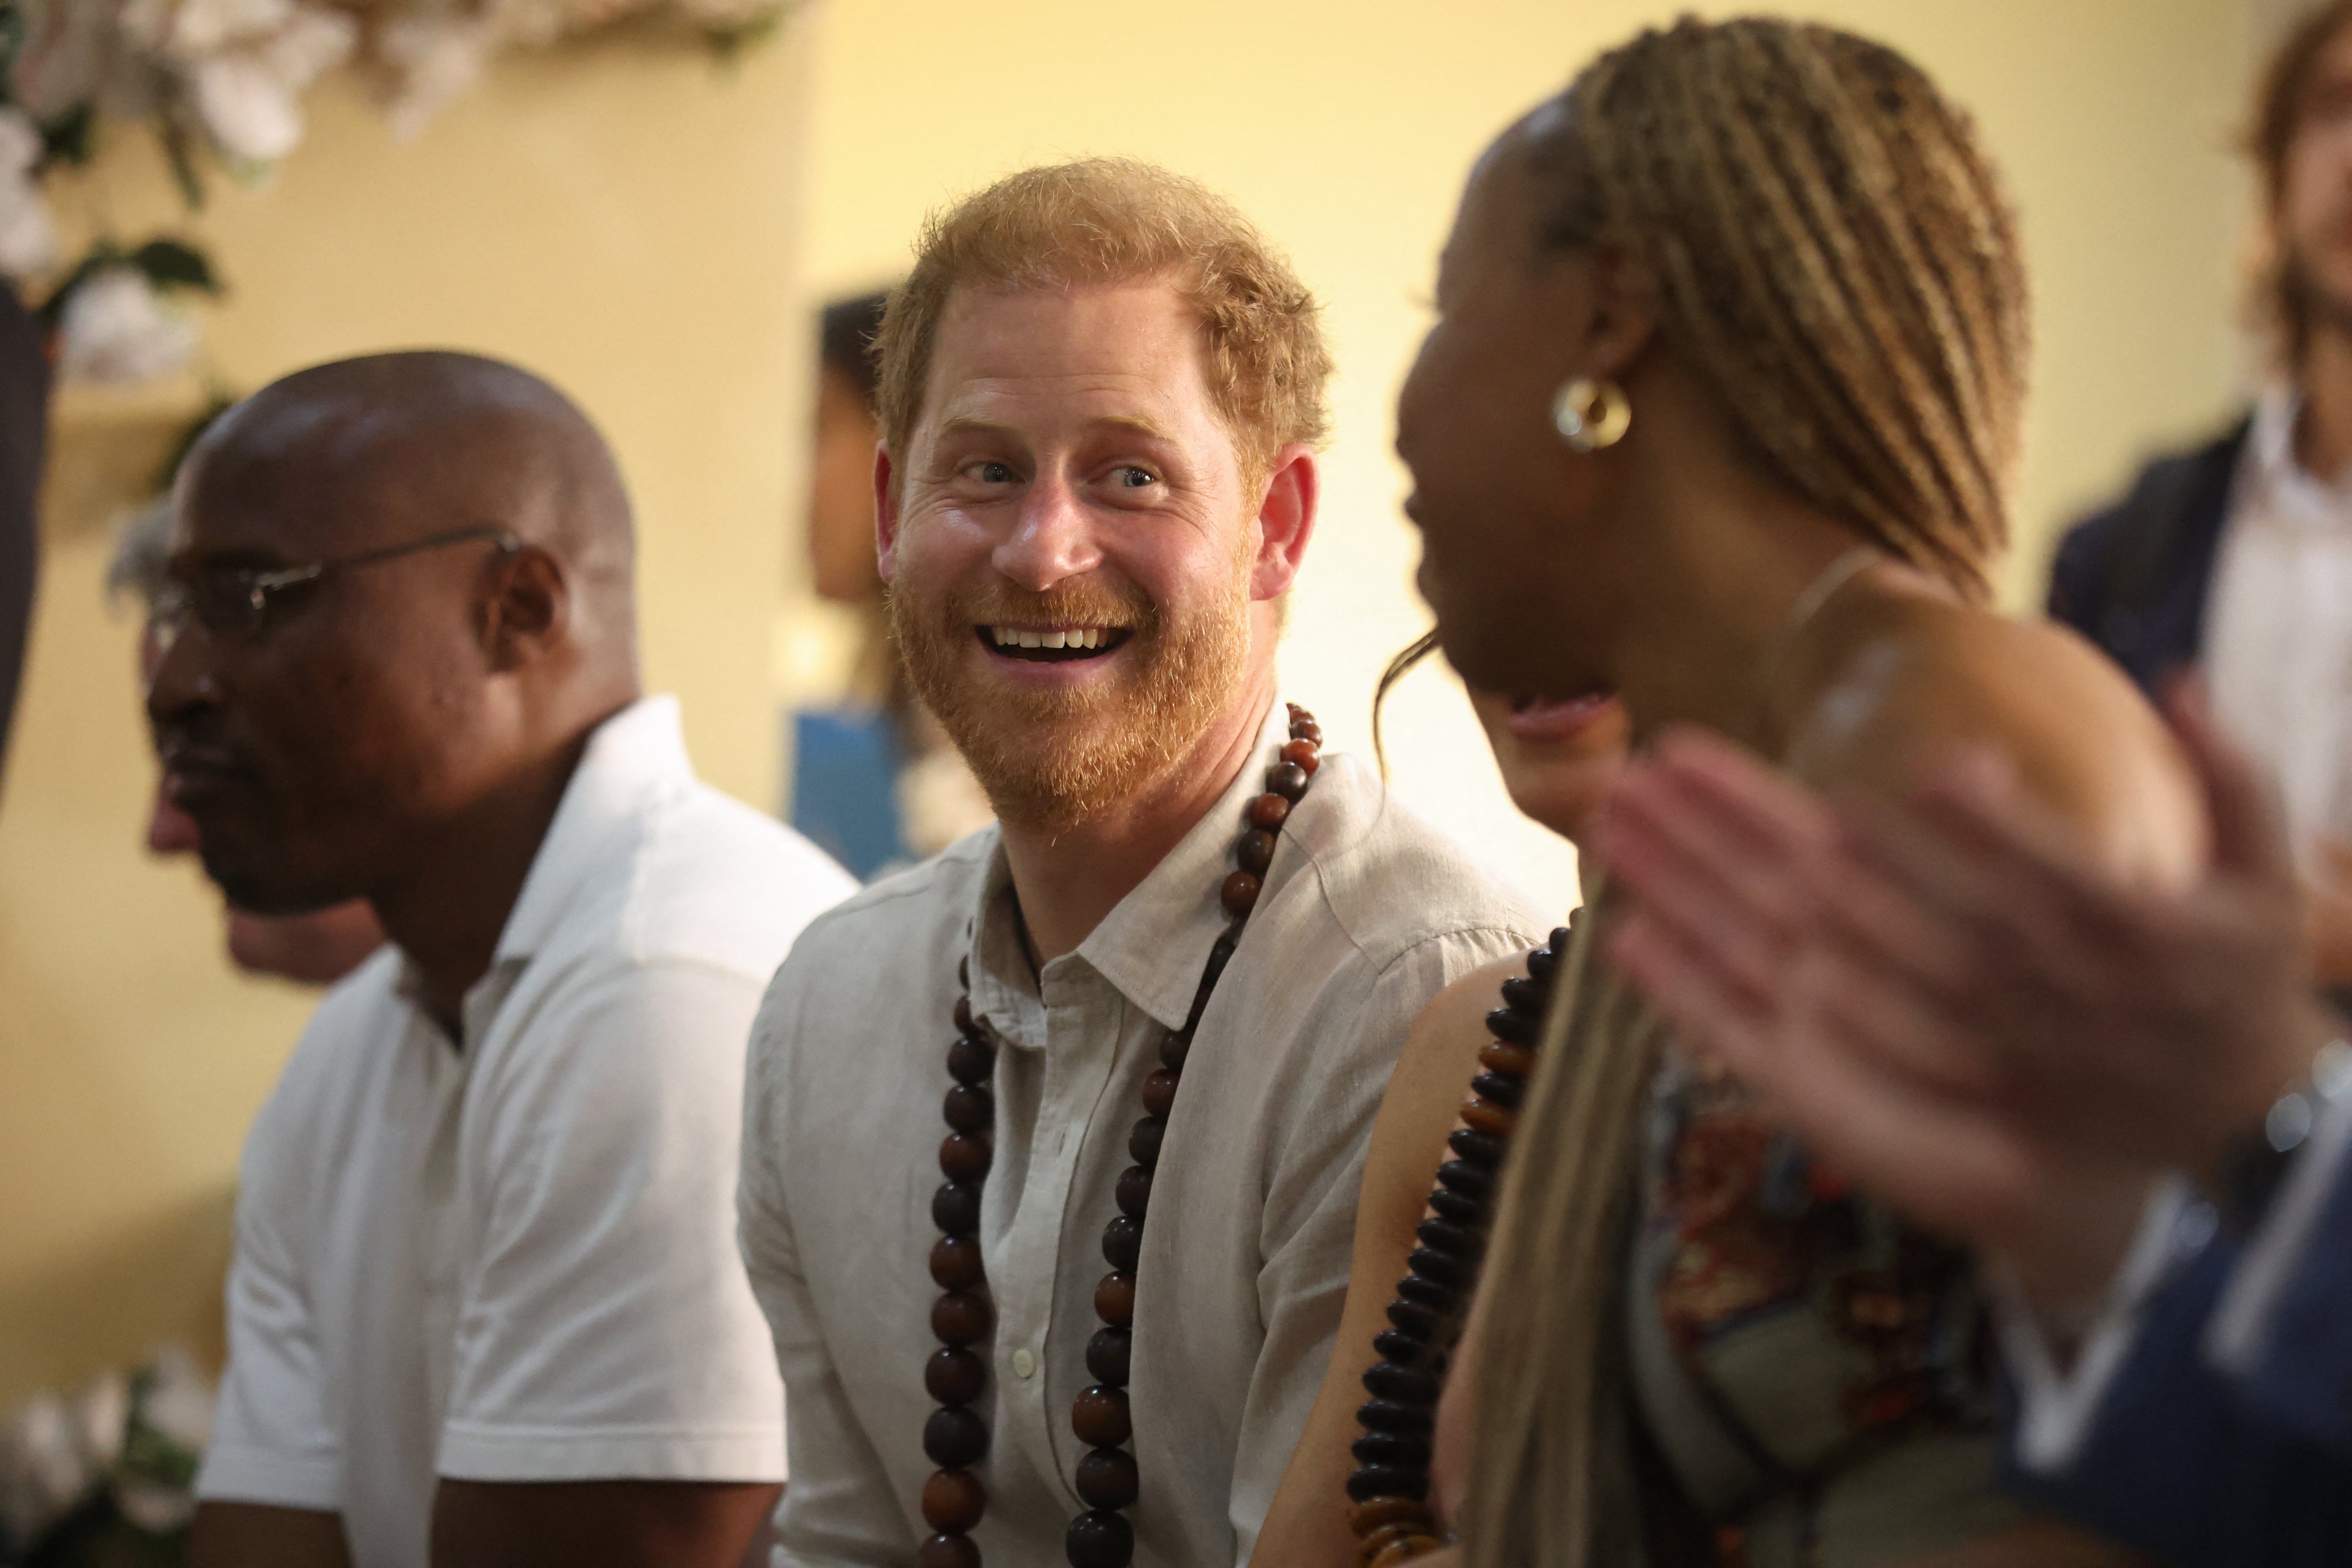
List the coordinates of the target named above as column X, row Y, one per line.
column 1955, row 1002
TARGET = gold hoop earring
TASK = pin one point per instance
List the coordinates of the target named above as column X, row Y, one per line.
column 1591, row 414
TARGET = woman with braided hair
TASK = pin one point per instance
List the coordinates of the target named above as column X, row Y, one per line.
column 1719, row 415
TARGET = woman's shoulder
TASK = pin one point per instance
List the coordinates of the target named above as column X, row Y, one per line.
column 1918, row 680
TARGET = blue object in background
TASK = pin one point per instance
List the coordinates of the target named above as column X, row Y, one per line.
column 845, row 787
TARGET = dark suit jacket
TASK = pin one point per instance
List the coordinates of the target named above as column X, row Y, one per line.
column 2203, row 1469
column 2135, row 578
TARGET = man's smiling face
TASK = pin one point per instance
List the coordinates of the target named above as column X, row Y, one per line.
column 1069, row 541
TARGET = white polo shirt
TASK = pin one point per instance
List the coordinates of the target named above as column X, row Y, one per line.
column 513, row 1259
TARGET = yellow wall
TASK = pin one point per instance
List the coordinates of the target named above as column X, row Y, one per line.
column 622, row 218
column 1345, row 128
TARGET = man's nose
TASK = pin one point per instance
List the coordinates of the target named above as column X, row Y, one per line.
column 180, row 672
column 1053, row 540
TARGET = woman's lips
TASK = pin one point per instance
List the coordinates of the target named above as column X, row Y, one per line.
column 1558, row 718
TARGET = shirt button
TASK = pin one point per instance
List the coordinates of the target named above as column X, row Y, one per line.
column 1024, row 1363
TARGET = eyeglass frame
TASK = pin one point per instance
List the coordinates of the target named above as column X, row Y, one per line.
column 174, row 603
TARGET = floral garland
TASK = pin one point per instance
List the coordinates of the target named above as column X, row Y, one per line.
column 106, row 1478
column 222, row 82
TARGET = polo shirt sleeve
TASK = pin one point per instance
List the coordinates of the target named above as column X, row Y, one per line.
column 272, row 1441
column 839, row 1508
column 604, row 1327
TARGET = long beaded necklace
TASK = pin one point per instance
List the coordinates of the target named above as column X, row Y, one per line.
column 1393, row 1520
column 956, row 1437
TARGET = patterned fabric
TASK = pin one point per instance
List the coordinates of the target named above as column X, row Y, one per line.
column 1839, row 1359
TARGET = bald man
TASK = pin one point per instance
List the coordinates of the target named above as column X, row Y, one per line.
column 486, row 1307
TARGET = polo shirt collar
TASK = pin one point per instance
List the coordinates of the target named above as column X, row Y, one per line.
column 632, row 753
column 1151, row 946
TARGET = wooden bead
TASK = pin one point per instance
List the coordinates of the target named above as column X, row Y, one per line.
column 1507, row 1061
column 963, row 1017
column 1405, row 1551
column 1134, row 1192
column 961, row 1317
column 1453, row 1240
column 1414, row 1319
column 955, row 1437
column 953, row 1501
column 1239, row 895
column 955, row 1208
column 1287, row 779
column 1477, row 1147
column 1099, row 1539
column 971, row 1060
column 956, row 1262
column 1399, row 1448
column 1406, row 1385
column 1433, row 1265
column 954, row 1377
column 963, row 973
column 1544, row 961
column 1100, row 1416
column 1486, row 1116
column 1270, row 812
column 1160, row 1093
column 1525, row 998
column 1370, row 1547
column 1496, row 1089
column 1106, row 1478
column 1305, row 728
column 1175, row 1051
column 1115, row 1299
column 1404, row 1349
column 945, row 1550
column 1303, row 755
column 965, row 1156
column 1428, row 1293
column 1469, row 1179
column 1108, row 1355
column 969, row 1108
column 1122, row 1242
column 1450, row 1204
column 1143, row 1141
column 1388, row 1415
column 1517, row 1028
column 1255, row 851
column 1366, row 1517
column 1389, row 1480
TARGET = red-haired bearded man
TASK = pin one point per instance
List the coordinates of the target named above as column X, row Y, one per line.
column 1100, row 396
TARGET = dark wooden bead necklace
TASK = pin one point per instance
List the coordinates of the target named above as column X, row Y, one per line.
column 956, row 1437
column 1393, row 1520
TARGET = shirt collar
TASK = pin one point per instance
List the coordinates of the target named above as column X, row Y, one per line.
column 2288, row 494
column 1151, row 946
column 638, row 751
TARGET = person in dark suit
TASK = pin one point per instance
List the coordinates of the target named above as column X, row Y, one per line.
column 2234, row 557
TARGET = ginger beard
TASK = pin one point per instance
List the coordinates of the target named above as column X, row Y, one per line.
column 1055, row 759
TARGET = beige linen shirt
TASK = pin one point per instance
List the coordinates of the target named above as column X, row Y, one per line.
column 1367, row 913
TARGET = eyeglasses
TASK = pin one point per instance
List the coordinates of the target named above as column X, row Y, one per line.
column 234, row 601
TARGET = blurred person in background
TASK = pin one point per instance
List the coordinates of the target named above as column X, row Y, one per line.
column 2235, row 557
column 24, row 441
column 317, row 948
column 485, row 1308
column 876, row 783
column 1964, row 1008
column 1720, row 416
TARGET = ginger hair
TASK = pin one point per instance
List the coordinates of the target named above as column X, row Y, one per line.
column 1830, row 250
column 1114, row 220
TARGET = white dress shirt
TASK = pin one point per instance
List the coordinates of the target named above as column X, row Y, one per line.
column 1366, row 914
column 512, row 1257
column 2278, row 628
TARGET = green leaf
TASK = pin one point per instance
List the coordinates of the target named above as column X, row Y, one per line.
column 179, row 152
column 171, row 263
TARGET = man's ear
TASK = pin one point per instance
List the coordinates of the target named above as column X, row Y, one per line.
column 885, row 513
column 1286, row 521
column 529, row 613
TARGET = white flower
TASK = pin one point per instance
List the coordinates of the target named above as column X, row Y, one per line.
column 119, row 329
column 28, row 240
column 200, row 27
column 44, row 1471
column 156, row 1507
column 430, row 61
column 249, row 94
column 178, row 1401
column 102, row 1419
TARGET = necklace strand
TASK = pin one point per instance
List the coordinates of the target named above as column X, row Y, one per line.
column 956, row 1437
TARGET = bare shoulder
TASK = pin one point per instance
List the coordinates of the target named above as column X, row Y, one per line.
column 1915, row 679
